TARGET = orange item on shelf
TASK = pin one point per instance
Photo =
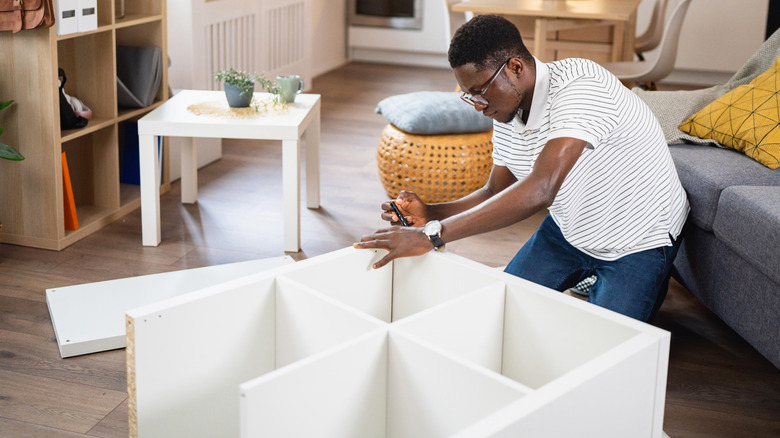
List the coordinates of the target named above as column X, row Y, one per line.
column 71, row 219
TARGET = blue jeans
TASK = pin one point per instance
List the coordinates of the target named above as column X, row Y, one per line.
column 634, row 285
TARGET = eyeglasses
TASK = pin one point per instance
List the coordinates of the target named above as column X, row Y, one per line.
column 479, row 98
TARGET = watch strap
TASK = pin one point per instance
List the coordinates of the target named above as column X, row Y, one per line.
column 437, row 242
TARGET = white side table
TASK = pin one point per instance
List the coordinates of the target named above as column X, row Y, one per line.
column 174, row 120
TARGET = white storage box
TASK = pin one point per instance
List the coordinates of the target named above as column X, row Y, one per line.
column 87, row 15
column 429, row 346
column 67, row 20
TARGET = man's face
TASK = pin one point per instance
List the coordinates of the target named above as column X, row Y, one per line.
column 500, row 99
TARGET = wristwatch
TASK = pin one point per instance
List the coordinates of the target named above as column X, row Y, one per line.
column 433, row 231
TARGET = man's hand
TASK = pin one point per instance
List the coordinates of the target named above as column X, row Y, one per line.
column 413, row 209
column 399, row 241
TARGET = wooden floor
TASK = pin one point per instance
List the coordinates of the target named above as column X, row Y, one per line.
column 718, row 385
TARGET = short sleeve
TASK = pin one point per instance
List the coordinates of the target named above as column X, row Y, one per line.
column 584, row 108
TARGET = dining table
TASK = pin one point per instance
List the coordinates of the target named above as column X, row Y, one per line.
column 547, row 17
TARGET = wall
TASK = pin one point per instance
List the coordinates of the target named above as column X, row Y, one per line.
column 329, row 36
column 718, row 36
column 329, row 30
column 427, row 46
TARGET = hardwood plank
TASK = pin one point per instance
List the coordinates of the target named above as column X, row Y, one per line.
column 25, row 316
column 54, row 403
column 114, row 425
column 39, row 357
column 14, row 257
column 12, row 428
column 690, row 422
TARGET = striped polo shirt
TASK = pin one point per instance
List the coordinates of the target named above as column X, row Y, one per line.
column 623, row 194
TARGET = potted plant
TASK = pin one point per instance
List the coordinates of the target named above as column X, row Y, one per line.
column 240, row 85
column 7, row 152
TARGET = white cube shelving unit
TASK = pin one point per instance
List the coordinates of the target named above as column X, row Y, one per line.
column 430, row 346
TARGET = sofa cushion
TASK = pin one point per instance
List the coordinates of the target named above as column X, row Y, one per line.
column 748, row 222
column 433, row 112
column 706, row 170
column 746, row 118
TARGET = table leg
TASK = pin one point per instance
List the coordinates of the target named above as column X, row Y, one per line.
column 312, row 139
column 618, row 41
column 189, row 172
column 628, row 38
column 291, row 194
column 150, row 190
column 540, row 39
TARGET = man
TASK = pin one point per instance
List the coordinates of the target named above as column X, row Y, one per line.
column 568, row 137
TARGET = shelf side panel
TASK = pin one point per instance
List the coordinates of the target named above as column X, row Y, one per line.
column 188, row 355
column 31, row 198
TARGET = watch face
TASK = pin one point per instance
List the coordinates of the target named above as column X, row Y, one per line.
column 433, row 228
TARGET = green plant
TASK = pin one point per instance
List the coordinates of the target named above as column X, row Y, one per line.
column 245, row 81
column 7, row 152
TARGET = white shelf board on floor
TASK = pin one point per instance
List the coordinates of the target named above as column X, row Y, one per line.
column 89, row 318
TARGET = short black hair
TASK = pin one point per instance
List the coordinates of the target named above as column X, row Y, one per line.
column 487, row 41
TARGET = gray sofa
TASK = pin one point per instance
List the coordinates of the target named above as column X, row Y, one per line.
column 730, row 254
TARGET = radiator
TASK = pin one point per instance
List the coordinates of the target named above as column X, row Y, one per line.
column 231, row 43
column 270, row 37
column 285, row 27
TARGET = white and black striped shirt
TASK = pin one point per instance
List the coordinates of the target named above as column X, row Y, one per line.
column 623, row 194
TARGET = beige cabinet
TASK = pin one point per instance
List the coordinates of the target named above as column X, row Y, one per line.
column 31, row 191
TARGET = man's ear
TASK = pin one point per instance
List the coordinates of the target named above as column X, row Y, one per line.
column 516, row 66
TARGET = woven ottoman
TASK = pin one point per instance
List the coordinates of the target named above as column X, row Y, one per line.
column 437, row 168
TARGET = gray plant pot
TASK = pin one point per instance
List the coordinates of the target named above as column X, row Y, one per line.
column 235, row 98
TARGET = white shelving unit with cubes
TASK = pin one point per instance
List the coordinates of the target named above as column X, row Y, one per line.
column 430, row 346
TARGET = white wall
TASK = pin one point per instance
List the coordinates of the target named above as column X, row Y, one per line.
column 718, row 36
column 180, row 76
column 427, row 46
column 329, row 31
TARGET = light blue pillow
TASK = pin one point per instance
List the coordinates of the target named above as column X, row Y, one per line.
column 433, row 112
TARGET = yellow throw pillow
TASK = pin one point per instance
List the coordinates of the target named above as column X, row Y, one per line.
column 746, row 119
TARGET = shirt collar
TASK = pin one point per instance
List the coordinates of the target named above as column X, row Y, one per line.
column 541, row 90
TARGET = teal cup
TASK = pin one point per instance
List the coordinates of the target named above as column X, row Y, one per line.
column 289, row 87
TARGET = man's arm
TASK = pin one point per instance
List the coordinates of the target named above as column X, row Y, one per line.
column 500, row 178
column 418, row 213
column 517, row 202
column 523, row 198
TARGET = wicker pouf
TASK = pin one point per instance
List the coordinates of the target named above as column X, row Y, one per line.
column 437, row 168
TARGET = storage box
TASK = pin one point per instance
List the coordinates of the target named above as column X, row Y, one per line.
column 67, row 20
column 87, row 15
column 429, row 346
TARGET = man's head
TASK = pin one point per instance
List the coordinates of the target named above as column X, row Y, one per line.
column 483, row 50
